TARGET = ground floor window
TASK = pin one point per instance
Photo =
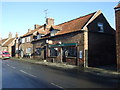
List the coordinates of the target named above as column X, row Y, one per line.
column 28, row 50
column 70, row 51
column 54, row 52
column 38, row 51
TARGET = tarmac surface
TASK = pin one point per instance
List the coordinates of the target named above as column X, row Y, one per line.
column 28, row 74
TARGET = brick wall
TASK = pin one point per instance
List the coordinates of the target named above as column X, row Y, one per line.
column 76, row 37
column 117, row 14
column 101, row 45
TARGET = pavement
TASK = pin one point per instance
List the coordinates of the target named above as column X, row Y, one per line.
column 107, row 71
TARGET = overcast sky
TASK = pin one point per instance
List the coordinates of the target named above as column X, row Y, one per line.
column 20, row 16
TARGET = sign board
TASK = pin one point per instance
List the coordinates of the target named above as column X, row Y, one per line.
column 80, row 55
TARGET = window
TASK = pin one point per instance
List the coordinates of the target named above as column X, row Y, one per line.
column 23, row 40
column 16, row 40
column 70, row 51
column 28, row 50
column 28, row 39
column 38, row 51
column 53, row 52
column 100, row 27
column 52, row 33
column 38, row 36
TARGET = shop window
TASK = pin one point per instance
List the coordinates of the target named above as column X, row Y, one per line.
column 70, row 51
column 53, row 52
column 38, row 51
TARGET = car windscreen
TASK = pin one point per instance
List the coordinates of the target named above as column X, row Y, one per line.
column 5, row 52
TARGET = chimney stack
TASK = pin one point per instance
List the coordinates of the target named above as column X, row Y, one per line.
column 29, row 30
column 36, row 26
column 50, row 21
column 16, row 35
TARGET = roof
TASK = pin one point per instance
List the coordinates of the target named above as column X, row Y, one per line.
column 43, row 30
column 56, row 27
column 74, row 25
column 3, row 40
column 32, row 31
column 118, row 6
column 29, row 33
column 8, row 42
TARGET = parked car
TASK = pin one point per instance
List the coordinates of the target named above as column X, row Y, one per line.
column 5, row 55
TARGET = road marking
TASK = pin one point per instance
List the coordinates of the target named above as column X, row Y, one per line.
column 12, row 67
column 8, row 65
column 57, row 85
column 27, row 73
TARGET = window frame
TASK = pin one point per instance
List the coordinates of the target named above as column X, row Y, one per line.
column 100, row 26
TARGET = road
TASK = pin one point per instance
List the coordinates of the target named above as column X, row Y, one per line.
column 19, row 74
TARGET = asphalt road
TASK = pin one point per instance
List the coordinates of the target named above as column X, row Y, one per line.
column 19, row 74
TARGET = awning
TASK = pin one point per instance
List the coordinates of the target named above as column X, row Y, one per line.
column 62, row 45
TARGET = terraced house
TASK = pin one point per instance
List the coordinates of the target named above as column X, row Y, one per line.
column 25, row 45
column 8, row 44
column 86, row 41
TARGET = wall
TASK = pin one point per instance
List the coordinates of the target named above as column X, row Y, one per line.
column 101, row 45
column 117, row 13
column 75, row 37
column 25, row 45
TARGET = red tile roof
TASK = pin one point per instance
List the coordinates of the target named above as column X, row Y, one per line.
column 32, row 31
column 74, row 25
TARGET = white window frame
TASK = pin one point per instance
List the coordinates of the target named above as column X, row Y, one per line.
column 23, row 40
column 100, row 25
column 28, row 39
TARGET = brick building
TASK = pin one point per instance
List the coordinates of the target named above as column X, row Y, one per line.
column 25, row 45
column 88, row 41
column 117, row 15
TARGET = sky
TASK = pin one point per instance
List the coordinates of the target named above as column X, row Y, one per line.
column 20, row 16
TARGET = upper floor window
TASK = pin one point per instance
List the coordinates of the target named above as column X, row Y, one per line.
column 38, row 36
column 23, row 40
column 28, row 39
column 53, row 32
column 100, row 27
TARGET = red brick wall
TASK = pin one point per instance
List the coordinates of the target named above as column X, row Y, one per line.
column 117, row 14
column 101, row 45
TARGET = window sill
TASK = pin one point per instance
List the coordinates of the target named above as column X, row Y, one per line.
column 71, row 57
